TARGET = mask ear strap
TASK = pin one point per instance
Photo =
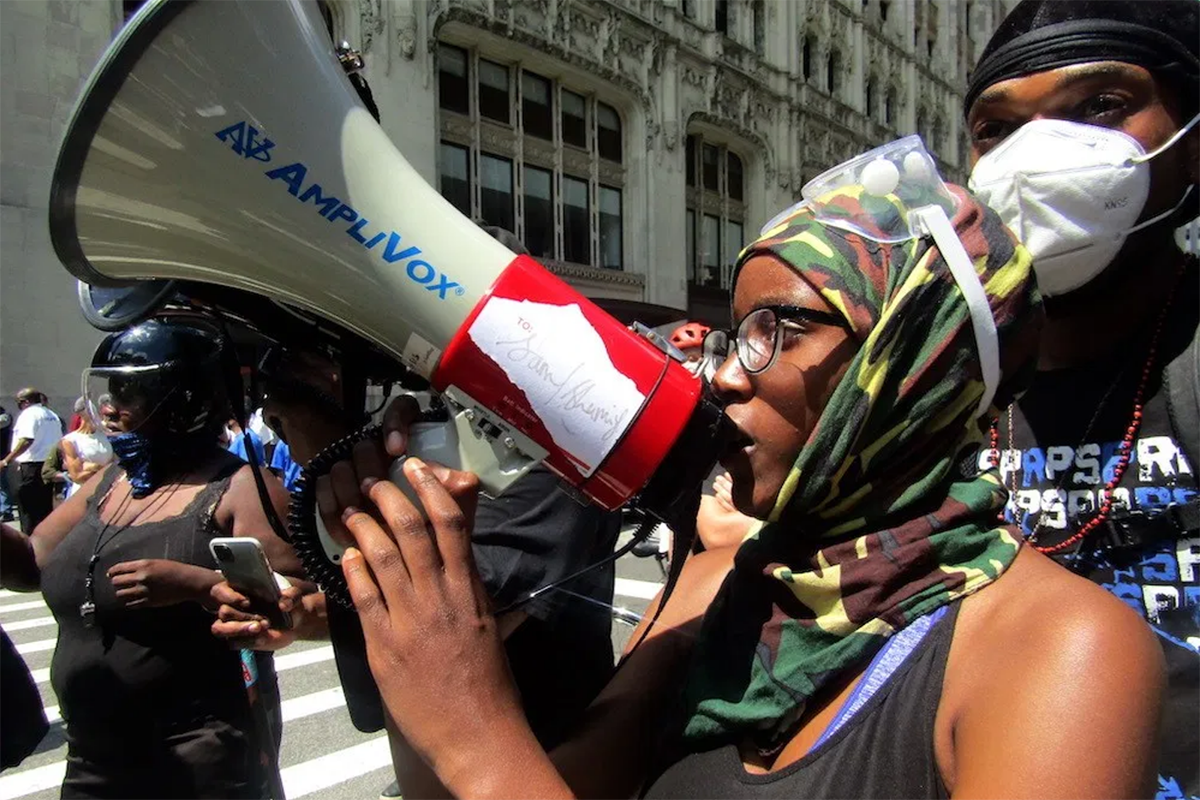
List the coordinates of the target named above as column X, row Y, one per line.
column 1160, row 217
column 932, row 220
column 1169, row 143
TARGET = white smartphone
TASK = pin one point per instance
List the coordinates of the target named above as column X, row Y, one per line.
column 244, row 564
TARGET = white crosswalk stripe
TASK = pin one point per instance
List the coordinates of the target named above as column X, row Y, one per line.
column 12, row 608
column 26, row 624
column 39, row 646
column 323, row 756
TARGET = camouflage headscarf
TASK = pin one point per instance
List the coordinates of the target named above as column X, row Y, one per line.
column 884, row 517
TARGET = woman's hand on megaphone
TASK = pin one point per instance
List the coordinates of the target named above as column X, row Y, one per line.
column 433, row 645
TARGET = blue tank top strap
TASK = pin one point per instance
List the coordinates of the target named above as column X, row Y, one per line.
column 889, row 659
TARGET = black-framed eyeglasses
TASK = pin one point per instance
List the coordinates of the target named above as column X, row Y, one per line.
column 759, row 336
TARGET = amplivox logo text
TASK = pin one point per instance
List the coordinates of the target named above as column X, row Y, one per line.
column 248, row 142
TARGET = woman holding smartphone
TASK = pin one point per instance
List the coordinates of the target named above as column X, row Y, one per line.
column 154, row 705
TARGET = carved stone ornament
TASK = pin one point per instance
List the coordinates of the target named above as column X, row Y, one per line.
column 406, row 32
column 671, row 135
column 456, row 126
column 371, row 22
column 610, row 173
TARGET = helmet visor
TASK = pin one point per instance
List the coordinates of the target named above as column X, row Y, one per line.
column 124, row 399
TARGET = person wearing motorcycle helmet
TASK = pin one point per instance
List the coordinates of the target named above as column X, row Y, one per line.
column 154, row 705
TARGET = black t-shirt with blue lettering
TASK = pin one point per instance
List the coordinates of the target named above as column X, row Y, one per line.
column 1064, row 446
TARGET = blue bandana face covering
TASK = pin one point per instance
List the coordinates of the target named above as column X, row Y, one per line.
column 135, row 453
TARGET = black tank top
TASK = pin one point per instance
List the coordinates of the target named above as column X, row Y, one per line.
column 885, row 750
column 147, row 671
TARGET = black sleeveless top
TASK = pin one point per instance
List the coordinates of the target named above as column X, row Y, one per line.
column 885, row 750
column 140, row 671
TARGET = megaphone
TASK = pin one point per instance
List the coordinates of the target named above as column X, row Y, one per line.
column 220, row 145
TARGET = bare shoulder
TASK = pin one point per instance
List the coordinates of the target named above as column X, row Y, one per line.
column 1040, row 611
column 1056, row 673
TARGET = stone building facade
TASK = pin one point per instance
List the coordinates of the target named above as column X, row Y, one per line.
column 724, row 109
column 633, row 145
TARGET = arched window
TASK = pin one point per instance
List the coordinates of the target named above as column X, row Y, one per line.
column 889, row 107
column 806, row 57
column 869, row 98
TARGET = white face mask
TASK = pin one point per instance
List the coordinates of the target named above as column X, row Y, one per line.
column 1071, row 193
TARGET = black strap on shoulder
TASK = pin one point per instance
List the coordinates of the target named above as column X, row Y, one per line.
column 1181, row 379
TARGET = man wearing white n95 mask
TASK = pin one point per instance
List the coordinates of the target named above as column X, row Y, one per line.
column 1083, row 124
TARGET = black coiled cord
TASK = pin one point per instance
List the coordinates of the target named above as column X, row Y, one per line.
column 302, row 516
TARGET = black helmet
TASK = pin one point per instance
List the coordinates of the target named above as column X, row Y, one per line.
column 167, row 369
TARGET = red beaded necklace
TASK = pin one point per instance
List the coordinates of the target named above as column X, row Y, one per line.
column 1124, row 451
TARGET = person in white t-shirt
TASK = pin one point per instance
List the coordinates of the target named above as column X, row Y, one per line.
column 36, row 431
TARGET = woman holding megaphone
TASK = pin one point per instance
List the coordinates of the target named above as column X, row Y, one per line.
column 882, row 634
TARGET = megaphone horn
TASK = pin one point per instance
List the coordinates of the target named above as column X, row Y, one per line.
column 221, row 143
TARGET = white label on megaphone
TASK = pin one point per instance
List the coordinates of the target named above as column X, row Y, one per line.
column 421, row 356
column 555, row 356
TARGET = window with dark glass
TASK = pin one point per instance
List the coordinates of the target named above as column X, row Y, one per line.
column 733, row 175
column 690, row 155
column 806, row 57
column 883, row 9
column 608, row 132
column 710, row 272
column 493, row 91
column 714, row 239
column 454, row 93
column 721, row 16
column 535, row 106
column 496, row 191
column 539, row 212
column 710, row 166
column 733, row 244
column 569, row 217
column 610, row 228
column 576, row 247
column 760, row 22
column 832, row 67
column 456, row 177
column 691, row 243
column 574, row 118
column 870, row 98
column 889, row 105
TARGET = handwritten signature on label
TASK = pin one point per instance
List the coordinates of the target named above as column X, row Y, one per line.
column 557, row 359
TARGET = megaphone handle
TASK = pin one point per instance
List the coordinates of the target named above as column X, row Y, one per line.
column 451, row 443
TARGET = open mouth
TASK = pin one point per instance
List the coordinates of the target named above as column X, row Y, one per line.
column 738, row 443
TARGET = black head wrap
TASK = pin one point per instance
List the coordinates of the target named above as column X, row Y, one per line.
column 1161, row 35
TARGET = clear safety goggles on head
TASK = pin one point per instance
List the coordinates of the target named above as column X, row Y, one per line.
column 902, row 198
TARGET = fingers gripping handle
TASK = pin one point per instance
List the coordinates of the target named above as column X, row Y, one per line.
column 470, row 440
